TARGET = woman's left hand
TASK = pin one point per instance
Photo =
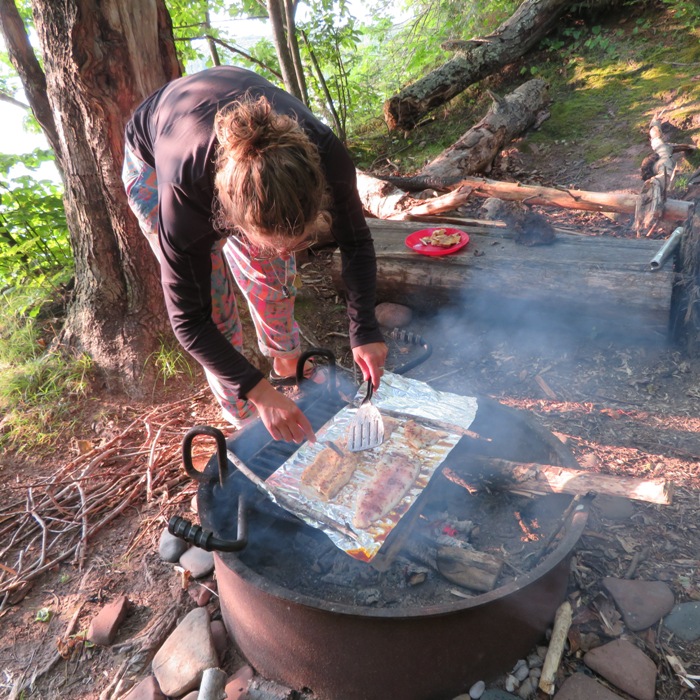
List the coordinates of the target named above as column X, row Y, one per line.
column 370, row 359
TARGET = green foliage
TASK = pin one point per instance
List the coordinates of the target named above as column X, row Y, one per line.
column 170, row 362
column 687, row 11
column 39, row 387
column 35, row 250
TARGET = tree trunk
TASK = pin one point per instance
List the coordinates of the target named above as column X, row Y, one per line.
column 385, row 201
column 293, row 45
column 32, row 76
column 532, row 21
column 585, row 283
column 507, row 117
column 101, row 60
column 276, row 11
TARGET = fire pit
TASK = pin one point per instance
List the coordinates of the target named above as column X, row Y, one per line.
column 306, row 615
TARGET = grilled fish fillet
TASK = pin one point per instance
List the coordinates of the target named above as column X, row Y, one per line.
column 329, row 472
column 418, row 436
column 395, row 475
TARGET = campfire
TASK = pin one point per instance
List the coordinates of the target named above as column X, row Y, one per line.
column 473, row 568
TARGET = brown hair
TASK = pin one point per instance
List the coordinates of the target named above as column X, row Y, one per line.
column 269, row 180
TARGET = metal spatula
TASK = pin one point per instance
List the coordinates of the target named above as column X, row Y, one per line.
column 367, row 427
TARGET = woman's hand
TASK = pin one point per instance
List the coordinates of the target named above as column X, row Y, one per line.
column 370, row 359
column 283, row 419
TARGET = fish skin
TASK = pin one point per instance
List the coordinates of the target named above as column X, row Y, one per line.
column 386, row 489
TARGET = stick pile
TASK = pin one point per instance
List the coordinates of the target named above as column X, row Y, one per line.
column 56, row 517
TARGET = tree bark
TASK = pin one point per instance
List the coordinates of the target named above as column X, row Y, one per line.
column 506, row 118
column 384, row 201
column 578, row 282
column 101, row 60
column 532, row 21
column 32, row 76
column 276, row 12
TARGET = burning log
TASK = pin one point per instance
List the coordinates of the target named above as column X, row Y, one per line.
column 541, row 479
column 478, row 571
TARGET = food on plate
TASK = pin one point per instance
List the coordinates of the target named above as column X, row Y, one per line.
column 329, row 472
column 418, row 436
column 440, row 238
column 395, row 475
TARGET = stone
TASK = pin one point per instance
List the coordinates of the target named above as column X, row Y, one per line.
column 201, row 595
column 393, row 315
column 147, row 689
column 497, row 694
column 477, row 690
column 105, row 625
column 185, row 655
column 191, row 696
column 642, row 603
column 198, row 562
column 220, row 637
column 625, row 666
column 583, row 687
column 527, row 688
column 237, row 685
column 171, row 548
column 684, row 621
column 614, row 507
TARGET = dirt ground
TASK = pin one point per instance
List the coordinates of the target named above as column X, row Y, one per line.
column 623, row 406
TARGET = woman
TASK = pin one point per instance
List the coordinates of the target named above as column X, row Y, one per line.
column 229, row 176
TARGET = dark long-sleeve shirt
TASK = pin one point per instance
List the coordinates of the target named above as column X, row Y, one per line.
column 173, row 132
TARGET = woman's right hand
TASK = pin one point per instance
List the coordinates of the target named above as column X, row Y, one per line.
column 283, row 419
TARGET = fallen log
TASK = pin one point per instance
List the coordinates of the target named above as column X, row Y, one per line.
column 387, row 202
column 532, row 21
column 580, row 283
column 542, row 479
column 506, row 118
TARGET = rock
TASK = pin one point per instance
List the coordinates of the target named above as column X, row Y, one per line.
column 511, row 683
column 614, row 507
column 238, row 683
column 625, row 666
column 393, row 315
column 684, row 621
column 477, row 690
column 191, row 696
column 496, row 694
column 171, row 548
column 520, row 670
column 582, row 687
column 220, row 637
column 642, row 603
column 104, row 627
column 527, row 688
column 185, row 655
column 147, row 689
column 198, row 562
column 201, row 595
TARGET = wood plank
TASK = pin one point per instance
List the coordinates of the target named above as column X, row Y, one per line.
column 606, row 283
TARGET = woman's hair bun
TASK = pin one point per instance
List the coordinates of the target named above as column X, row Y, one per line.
column 250, row 127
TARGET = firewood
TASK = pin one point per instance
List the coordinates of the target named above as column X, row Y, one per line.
column 478, row 571
column 542, row 479
column 560, row 631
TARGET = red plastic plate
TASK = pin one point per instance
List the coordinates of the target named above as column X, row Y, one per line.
column 414, row 243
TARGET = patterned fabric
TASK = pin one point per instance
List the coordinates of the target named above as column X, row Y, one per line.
column 267, row 286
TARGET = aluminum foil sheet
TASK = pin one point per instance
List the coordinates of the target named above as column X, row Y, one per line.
column 335, row 517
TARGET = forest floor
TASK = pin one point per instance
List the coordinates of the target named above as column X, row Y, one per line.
column 624, row 406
